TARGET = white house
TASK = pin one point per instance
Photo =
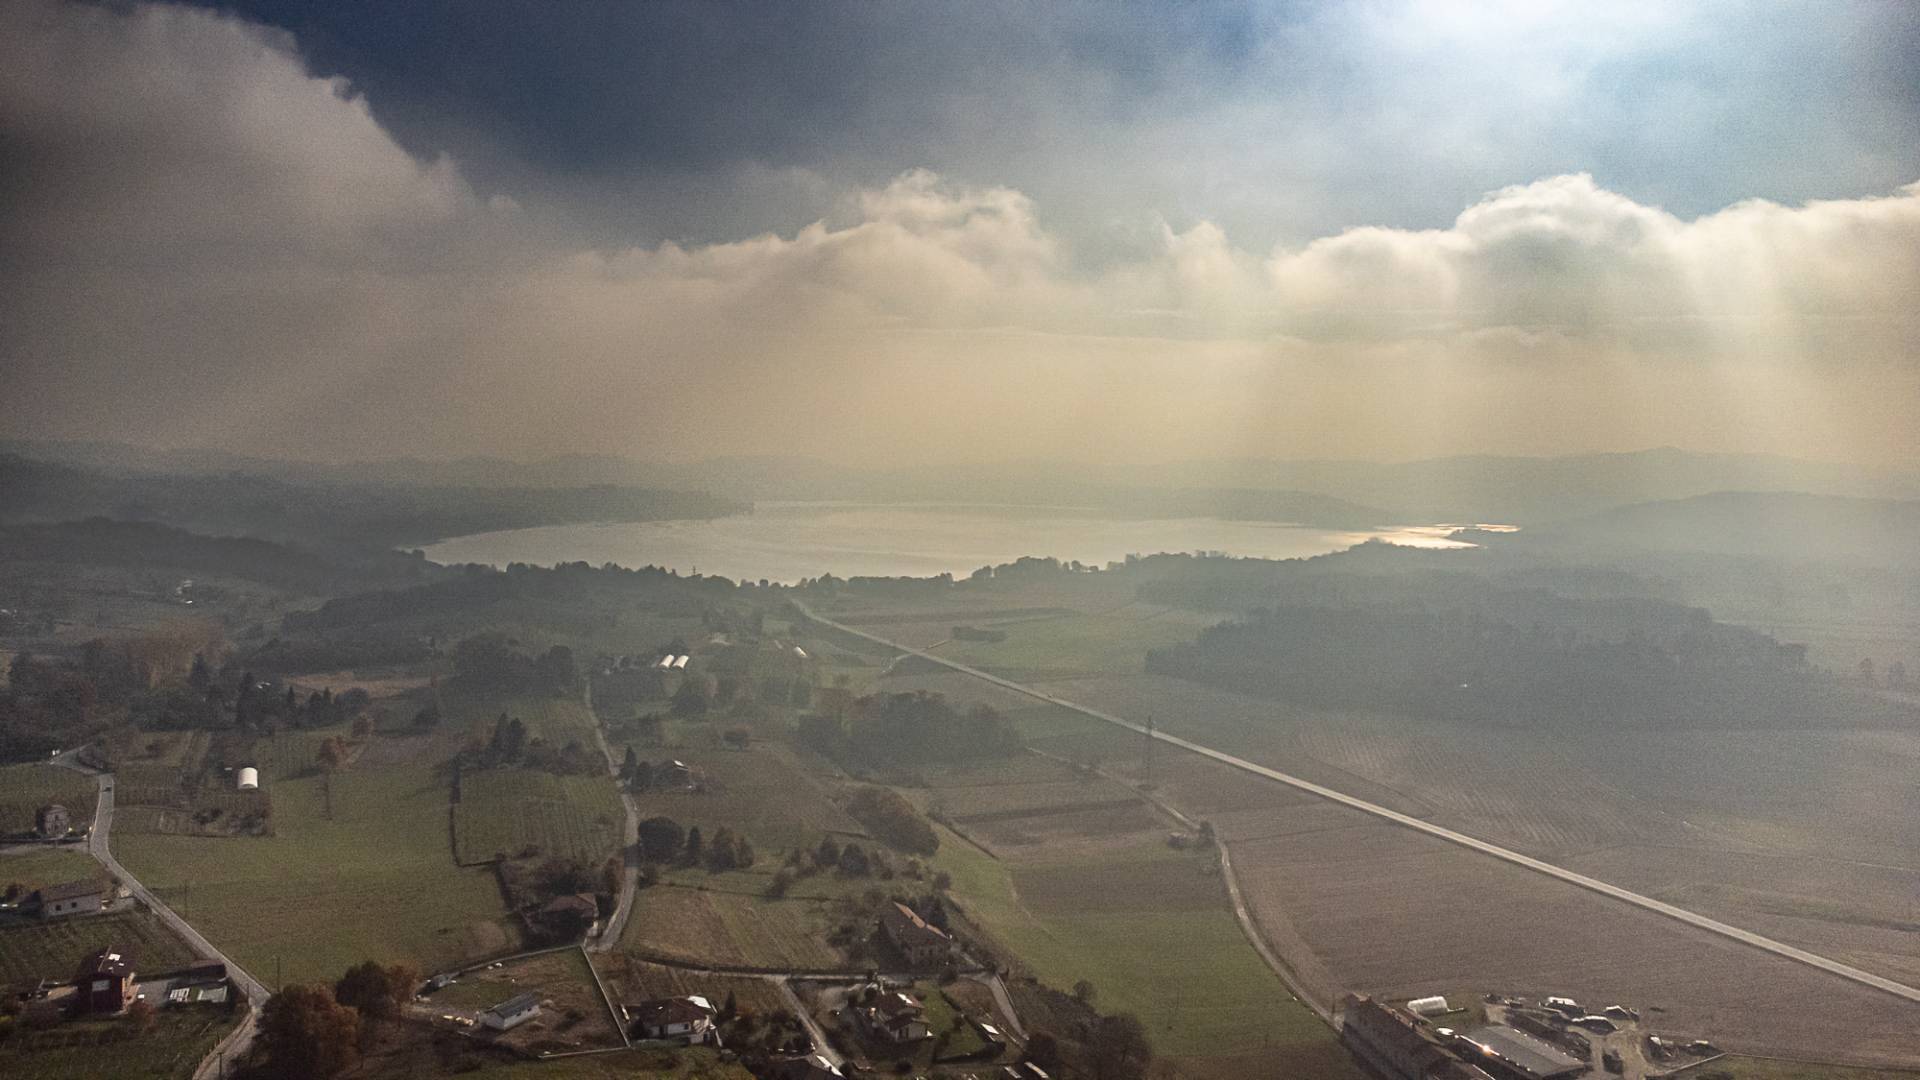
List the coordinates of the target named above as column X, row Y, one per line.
column 512, row 1012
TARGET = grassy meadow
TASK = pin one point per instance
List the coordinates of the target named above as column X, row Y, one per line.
column 24, row 789
column 1184, row 968
column 375, row 878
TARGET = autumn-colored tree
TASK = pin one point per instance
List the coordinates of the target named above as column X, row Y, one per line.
column 333, row 753
column 376, row 990
column 307, row 1034
column 1120, row 1048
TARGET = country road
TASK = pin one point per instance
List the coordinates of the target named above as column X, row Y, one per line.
column 237, row 1042
column 616, row 924
column 1691, row 918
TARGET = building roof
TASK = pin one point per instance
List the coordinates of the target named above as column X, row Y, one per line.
column 660, row 1012
column 571, row 904
column 898, row 1003
column 71, row 890
column 106, row 962
column 1525, row 1053
column 516, row 1004
column 907, row 927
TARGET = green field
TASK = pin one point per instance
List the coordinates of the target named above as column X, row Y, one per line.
column 24, row 789
column 1188, row 973
column 36, row 867
column 114, row 1050
column 733, row 929
column 53, row 950
column 762, row 794
column 375, row 880
column 503, row 811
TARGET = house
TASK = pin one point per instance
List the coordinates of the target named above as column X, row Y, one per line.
column 52, row 821
column 69, row 898
column 921, row 943
column 105, row 981
column 894, row 1016
column 512, row 1012
column 567, row 916
column 689, row 1018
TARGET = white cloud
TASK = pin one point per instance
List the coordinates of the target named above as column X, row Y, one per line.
column 205, row 241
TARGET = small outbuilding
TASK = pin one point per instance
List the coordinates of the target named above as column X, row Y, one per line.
column 106, row 982
column 512, row 1012
column 249, row 778
column 52, row 822
column 68, row 898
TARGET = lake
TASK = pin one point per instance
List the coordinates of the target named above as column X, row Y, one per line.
column 786, row 542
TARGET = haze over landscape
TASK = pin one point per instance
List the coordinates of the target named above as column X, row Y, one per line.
column 1313, row 541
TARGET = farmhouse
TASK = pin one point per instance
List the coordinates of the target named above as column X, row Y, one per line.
column 69, row 898
column 52, row 821
column 894, row 1016
column 1398, row 1046
column 105, row 981
column 568, row 915
column 921, row 943
column 512, row 1012
column 689, row 1018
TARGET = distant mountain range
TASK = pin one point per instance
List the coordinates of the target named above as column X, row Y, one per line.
column 1511, row 490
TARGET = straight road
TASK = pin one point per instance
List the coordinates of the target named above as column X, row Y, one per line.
column 236, row 1044
column 1659, row 907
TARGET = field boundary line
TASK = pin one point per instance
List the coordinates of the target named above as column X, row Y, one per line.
column 613, row 1011
column 1526, row 862
column 1250, row 925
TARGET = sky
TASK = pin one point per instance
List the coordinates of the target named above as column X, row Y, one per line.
column 914, row 233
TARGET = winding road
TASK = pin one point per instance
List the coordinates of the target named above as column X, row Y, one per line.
column 238, row 1041
column 1659, row 907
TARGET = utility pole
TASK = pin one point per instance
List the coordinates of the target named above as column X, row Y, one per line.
column 1149, row 753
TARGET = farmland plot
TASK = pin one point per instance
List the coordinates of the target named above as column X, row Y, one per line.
column 24, row 789
column 53, row 950
column 633, row 981
column 764, row 794
column 506, row 811
column 1155, row 936
column 1385, row 910
column 111, row 1050
column 576, row 1017
column 31, row 867
column 301, row 897
column 724, row 929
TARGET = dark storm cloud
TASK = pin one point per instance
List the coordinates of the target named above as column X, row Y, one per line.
column 710, row 121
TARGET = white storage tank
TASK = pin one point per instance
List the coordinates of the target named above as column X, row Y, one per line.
column 249, row 779
column 1428, row 1006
